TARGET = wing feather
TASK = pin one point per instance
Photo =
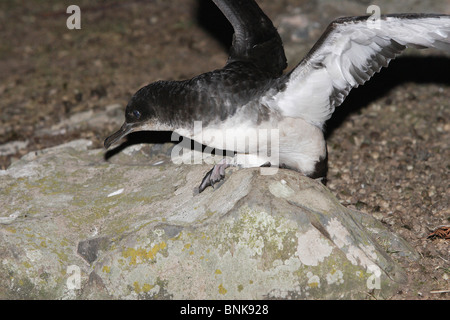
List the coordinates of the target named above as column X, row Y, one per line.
column 348, row 54
column 255, row 38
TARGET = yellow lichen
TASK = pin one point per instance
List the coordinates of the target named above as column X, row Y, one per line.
column 154, row 250
column 222, row 290
column 11, row 229
column 141, row 254
column 136, row 286
column 147, row 287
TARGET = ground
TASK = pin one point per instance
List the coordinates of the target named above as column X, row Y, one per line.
column 388, row 143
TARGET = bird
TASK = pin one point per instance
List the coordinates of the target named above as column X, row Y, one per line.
column 253, row 92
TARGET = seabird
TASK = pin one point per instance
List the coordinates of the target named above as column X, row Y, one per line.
column 251, row 92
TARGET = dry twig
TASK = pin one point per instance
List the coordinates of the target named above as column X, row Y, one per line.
column 441, row 232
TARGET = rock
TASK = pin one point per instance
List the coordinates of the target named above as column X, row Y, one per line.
column 76, row 226
column 12, row 147
column 87, row 120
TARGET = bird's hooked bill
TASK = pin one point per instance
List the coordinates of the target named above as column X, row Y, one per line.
column 122, row 132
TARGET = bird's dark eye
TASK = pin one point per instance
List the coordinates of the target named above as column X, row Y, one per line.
column 136, row 114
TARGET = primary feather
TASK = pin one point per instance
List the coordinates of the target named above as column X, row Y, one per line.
column 347, row 55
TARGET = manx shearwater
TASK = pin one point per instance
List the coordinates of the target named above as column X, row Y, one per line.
column 251, row 92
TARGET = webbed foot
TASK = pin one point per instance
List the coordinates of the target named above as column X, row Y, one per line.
column 216, row 174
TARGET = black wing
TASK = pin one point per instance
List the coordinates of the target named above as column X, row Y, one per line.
column 255, row 38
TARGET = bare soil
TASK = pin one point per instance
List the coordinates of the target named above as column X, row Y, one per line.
column 388, row 143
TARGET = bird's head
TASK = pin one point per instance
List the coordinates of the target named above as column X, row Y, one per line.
column 140, row 114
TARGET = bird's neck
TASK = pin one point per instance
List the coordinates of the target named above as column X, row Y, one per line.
column 175, row 103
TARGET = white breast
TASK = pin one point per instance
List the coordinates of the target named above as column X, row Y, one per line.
column 290, row 141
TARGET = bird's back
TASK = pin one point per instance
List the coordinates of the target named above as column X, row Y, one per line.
column 217, row 95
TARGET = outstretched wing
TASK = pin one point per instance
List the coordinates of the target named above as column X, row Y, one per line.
column 255, row 38
column 347, row 55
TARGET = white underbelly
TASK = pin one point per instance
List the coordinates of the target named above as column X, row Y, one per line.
column 290, row 141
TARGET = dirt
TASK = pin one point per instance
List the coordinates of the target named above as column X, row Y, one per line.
column 388, row 143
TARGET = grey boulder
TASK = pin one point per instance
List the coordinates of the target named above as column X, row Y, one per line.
column 74, row 226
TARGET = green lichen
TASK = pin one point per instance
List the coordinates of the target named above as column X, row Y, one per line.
column 266, row 235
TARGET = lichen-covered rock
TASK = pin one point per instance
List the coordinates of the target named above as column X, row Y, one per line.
column 73, row 225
